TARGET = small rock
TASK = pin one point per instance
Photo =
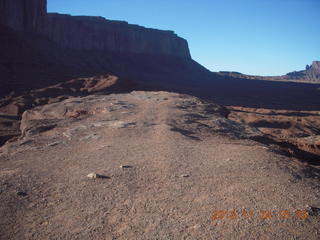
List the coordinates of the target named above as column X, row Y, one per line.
column 125, row 166
column 312, row 211
column 95, row 175
column 185, row 175
column 92, row 175
column 22, row 194
column 25, row 142
column 53, row 144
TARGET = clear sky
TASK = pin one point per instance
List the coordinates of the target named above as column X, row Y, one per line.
column 263, row 37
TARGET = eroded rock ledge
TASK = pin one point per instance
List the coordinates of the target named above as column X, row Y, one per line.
column 183, row 114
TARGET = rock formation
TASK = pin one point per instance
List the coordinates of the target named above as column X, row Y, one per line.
column 90, row 33
column 38, row 49
column 311, row 73
column 23, row 15
column 97, row 33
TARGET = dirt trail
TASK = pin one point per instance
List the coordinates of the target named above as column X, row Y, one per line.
column 184, row 160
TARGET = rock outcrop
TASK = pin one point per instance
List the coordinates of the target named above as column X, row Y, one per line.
column 311, row 73
column 76, row 87
column 23, row 15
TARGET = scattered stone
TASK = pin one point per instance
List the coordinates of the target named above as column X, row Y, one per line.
column 95, row 175
column 121, row 124
column 22, row 194
column 53, row 144
column 26, row 142
column 125, row 166
column 312, row 211
column 92, row 175
column 90, row 137
column 78, row 113
column 67, row 135
column 147, row 124
column 185, row 175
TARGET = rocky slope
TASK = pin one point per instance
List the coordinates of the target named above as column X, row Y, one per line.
column 170, row 166
column 296, row 131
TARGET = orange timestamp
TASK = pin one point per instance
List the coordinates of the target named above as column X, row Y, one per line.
column 261, row 214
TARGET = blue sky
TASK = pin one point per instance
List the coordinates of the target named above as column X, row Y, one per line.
column 263, row 37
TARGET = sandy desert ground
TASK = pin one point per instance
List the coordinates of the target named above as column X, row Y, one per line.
column 169, row 166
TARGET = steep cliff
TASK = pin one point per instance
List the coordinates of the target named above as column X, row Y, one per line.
column 97, row 33
column 90, row 33
column 23, row 15
column 38, row 49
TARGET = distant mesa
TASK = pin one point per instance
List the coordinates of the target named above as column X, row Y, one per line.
column 232, row 73
column 310, row 74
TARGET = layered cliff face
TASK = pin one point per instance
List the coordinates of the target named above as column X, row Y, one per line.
column 97, row 33
column 23, row 15
column 90, row 33
column 38, row 49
